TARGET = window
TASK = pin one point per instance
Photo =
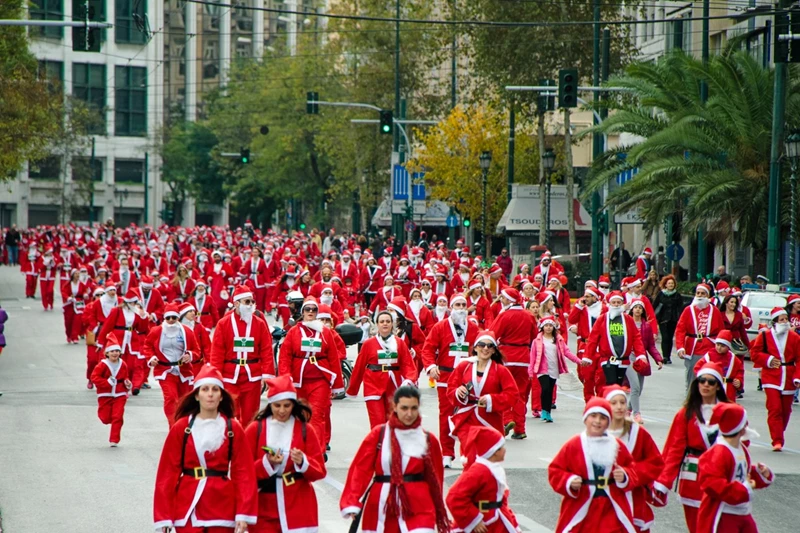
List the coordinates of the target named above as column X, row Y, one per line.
column 97, row 13
column 47, row 10
column 129, row 14
column 82, row 167
column 48, row 168
column 53, row 72
column 131, row 101
column 129, row 171
column 89, row 85
column 679, row 35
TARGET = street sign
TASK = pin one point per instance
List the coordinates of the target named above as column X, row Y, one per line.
column 410, row 225
column 675, row 252
column 400, row 184
column 452, row 221
column 628, row 217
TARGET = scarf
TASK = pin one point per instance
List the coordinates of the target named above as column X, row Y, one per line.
column 397, row 490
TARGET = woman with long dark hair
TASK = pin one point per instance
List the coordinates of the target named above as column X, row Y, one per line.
column 689, row 437
column 733, row 319
column 288, row 458
column 668, row 307
column 205, row 481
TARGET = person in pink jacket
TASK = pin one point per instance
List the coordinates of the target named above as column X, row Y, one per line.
column 641, row 368
column 549, row 352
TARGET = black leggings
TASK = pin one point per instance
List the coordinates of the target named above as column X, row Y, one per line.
column 614, row 374
column 547, row 385
column 368, row 299
column 667, row 338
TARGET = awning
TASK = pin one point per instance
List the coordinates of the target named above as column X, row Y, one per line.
column 436, row 213
column 523, row 214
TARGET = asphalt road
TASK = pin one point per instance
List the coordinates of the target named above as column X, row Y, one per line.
column 57, row 473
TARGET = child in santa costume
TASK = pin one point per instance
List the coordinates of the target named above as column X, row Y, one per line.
column 111, row 379
column 74, row 293
column 396, row 483
column 727, row 476
column 478, row 500
column 581, row 319
column 698, row 325
column 288, row 457
column 383, row 364
column 691, row 434
column 777, row 351
column 170, row 349
column 594, row 473
column 647, row 461
column 732, row 367
column 46, row 267
column 481, row 390
column 205, row 481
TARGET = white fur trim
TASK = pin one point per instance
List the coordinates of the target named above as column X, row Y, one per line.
column 739, row 427
column 723, row 341
column 246, row 518
column 456, row 299
column 617, row 297
column 776, row 314
column 617, row 392
column 158, row 526
column 350, row 510
column 205, row 381
column 475, row 521
column 242, row 296
column 624, row 482
column 401, row 311
column 112, row 347
column 303, row 466
column 323, row 315
column 596, row 409
column 288, row 395
column 485, row 338
column 705, row 371
column 504, row 292
column 171, row 313
column 569, row 481
column 491, row 451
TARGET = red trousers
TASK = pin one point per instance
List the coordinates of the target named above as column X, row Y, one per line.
column 445, row 410
column 92, row 358
column 73, row 323
column 518, row 411
column 731, row 523
column 284, row 315
column 379, row 410
column 779, row 409
column 317, row 392
column 30, row 286
column 260, row 296
column 587, row 376
column 690, row 514
column 246, row 399
column 110, row 411
column 600, row 512
column 48, row 288
column 173, row 390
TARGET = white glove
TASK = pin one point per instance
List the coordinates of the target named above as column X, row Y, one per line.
column 112, row 381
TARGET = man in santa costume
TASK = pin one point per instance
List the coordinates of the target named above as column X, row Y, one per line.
column 732, row 366
column 405, row 276
column 478, row 500
column 256, row 270
column 29, row 266
column 188, row 319
column 370, row 280
column 151, row 298
column 204, row 305
column 169, row 349
column 546, row 268
column 727, row 476
column 309, row 354
column 515, row 329
column 594, row 473
column 242, row 349
column 46, row 269
column 582, row 318
column 698, row 325
column 777, row 351
column 441, row 285
column 478, row 304
column 123, row 277
column 440, row 311
column 448, row 342
column 217, row 275
column 644, row 264
column 131, row 322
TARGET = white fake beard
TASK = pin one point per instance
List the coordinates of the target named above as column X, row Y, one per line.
column 615, row 312
column 171, row 329
column 415, row 306
column 246, row 312
column 315, row 325
column 602, row 451
column 781, row 329
column 290, row 282
column 702, row 303
column 459, row 317
column 326, row 300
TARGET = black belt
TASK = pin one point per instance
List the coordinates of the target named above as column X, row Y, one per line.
column 124, row 328
column 581, row 339
column 694, row 451
column 728, row 380
column 788, row 364
column 383, row 368
column 446, row 368
column 270, row 484
column 199, row 361
column 243, row 361
column 601, row 483
column 176, row 363
column 698, row 336
column 488, row 505
column 200, row 472
column 510, row 344
column 407, row 478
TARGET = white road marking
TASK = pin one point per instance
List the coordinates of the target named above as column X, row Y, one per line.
column 547, row 460
column 528, row 524
column 333, row 482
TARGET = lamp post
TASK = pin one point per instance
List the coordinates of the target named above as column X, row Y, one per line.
column 792, row 148
column 486, row 161
column 548, row 162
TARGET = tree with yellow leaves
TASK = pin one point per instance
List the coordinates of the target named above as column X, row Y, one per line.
column 449, row 154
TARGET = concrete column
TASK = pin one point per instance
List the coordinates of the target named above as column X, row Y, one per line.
column 224, row 45
column 258, row 29
column 190, row 60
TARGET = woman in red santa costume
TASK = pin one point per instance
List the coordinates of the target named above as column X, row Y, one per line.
column 188, row 319
column 110, row 377
column 647, row 461
column 727, row 476
column 396, row 484
column 698, row 325
column 481, row 390
column 204, row 305
column 478, row 305
column 594, row 472
column 74, row 294
column 182, row 285
column 732, row 367
column 205, row 482
column 170, row 349
column 90, row 329
column 777, row 351
column 242, row 348
column 478, row 500
column 288, row 458
column 383, row 365
column 385, row 295
column 690, row 435
column 131, row 321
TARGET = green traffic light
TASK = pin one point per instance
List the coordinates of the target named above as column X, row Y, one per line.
column 386, row 129
column 302, row 226
column 245, row 160
column 467, row 223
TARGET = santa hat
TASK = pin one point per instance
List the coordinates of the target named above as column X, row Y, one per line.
column 185, row 308
column 475, row 284
column 324, row 312
column 776, row 312
column 241, row 292
column 200, row 283
column 511, row 294
column 414, row 290
column 594, row 291
column 712, row 369
column 597, row 404
column 523, row 266
column 494, row 269
column 110, row 286
column 111, row 343
column 722, row 285
column 590, row 283
column 399, row 305
column 616, row 295
column 549, row 319
column 425, row 281
column 724, row 337
column 454, row 299
column 486, row 336
column 545, row 255
column 730, row 417
column 208, row 375
column 309, row 301
column 793, row 298
column 146, row 282
column 542, row 297
column 98, row 291
column 703, row 286
column 648, row 251
column 131, row 297
column 483, row 441
column 613, row 390
column 403, row 258
column 172, row 309
column 639, row 302
column 281, row 388
column 441, row 297
column 604, row 281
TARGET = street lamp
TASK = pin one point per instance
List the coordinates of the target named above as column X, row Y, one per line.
column 548, row 162
column 792, row 147
column 486, row 161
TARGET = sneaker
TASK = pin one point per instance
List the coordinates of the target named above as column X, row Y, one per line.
column 511, row 425
column 327, row 447
column 553, row 407
column 740, row 395
column 518, row 436
column 325, row 457
column 89, row 385
column 113, row 444
column 546, row 417
column 338, row 396
column 146, row 385
column 638, row 419
column 136, row 392
column 668, row 361
column 536, row 414
column 447, row 461
column 777, row 447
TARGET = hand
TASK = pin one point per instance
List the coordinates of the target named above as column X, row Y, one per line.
column 483, row 401
column 619, row 475
column 737, row 383
column 297, row 456
column 112, row 381
column 241, row 527
column 187, row 358
column 128, row 384
column 762, row 469
column 274, row 459
column 573, row 329
column 471, row 309
column 576, row 484
column 433, row 373
column 681, row 353
column 660, row 365
column 776, row 363
column 585, row 363
column 152, row 362
column 264, row 384
column 350, row 516
column 462, row 392
column 480, row 528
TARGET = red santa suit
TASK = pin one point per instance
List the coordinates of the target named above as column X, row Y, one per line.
column 180, row 290
column 697, row 328
column 643, row 264
column 481, row 309
column 131, row 329
column 110, row 380
column 217, row 276
column 406, row 277
column 444, row 349
column 600, row 348
column 732, row 368
column 442, row 286
column 547, row 272
column 256, row 270
column 124, row 280
column 74, row 295
column 383, row 297
column 193, row 489
column 152, row 301
column 46, row 270
column 370, row 280
column 583, row 317
column 242, row 350
column 382, row 366
column 206, row 310
column 29, row 267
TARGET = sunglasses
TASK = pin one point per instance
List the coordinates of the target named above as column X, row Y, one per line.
column 310, row 310
column 484, row 345
column 707, row 381
column 247, row 302
column 170, row 318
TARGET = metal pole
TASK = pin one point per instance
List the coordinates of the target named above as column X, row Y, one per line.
column 91, row 186
column 793, row 226
column 146, row 179
column 549, row 211
column 701, row 232
column 511, row 142
column 397, row 72
column 453, row 61
column 597, row 150
column 483, row 217
column 56, row 23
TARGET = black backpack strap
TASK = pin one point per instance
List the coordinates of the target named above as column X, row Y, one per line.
column 230, row 441
column 380, row 437
column 186, row 433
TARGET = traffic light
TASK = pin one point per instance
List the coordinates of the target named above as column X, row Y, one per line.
column 312, row 107
column 568, row 87
column 386, row 122
column 546, row 103
column 85, row 39
column 244, row 155
column 302, row 226
column 467, row 222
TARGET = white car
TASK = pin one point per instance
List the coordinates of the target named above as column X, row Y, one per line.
column 761, row 304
